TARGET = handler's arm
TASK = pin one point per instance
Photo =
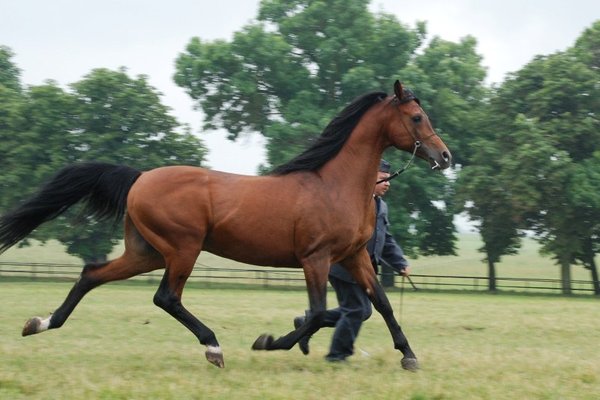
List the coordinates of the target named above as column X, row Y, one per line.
column 393, row 255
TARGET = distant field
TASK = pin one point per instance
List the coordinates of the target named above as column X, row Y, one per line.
column 527, row 264
column 118, row 345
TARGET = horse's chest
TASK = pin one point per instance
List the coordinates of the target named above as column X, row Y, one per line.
column 349, row 234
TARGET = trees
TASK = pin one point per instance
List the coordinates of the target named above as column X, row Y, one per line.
column 287, row 74
column 9, row 73
column 498, row 185
column 12, row 118
column 448, row 79
column 541, row 151
column 527, row 149
column 565, row 102
column 107, row 116
column 120, row 119
column 586, row 200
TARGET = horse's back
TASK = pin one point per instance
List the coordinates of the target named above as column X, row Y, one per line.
column 245, row 218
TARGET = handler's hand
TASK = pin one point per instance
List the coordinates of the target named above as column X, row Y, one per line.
column 406, row 271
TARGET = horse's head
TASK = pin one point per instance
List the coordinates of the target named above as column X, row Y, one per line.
column 409, row 129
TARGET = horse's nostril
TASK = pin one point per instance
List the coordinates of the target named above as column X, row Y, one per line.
column 446, row 156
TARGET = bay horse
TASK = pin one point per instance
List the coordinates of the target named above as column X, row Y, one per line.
column 313, row 211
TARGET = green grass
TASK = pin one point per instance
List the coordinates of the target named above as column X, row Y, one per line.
column 118, row 345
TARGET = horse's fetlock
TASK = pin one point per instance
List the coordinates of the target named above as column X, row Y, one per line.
column 209, row 339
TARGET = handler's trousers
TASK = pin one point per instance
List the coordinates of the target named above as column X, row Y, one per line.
column 354, row 308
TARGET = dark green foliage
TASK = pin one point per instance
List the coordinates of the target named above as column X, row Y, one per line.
column 287, row 74
column 537, row 163
column 107, row 116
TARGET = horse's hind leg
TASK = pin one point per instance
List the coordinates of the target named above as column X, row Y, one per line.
column 139, row 257
column 168, row 297
column 92, row 276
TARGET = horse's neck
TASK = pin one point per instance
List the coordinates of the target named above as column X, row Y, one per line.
column 352, row 172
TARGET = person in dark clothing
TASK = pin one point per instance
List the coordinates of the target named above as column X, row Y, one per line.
column 354, row 304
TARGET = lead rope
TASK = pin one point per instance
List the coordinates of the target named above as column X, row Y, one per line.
column 401, row 300
column 401, row 170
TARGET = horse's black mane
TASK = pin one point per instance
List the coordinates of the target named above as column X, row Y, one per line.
column 333, row 137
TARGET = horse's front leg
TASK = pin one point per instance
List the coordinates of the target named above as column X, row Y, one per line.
column 316, row 270
column 362, row 271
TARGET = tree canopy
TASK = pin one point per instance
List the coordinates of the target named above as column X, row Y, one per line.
column 518, row 146
column 526, row 151
column 541, row 147
column 107, row 116
column 288, row 73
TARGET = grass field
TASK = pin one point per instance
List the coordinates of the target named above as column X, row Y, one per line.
column 118, row 345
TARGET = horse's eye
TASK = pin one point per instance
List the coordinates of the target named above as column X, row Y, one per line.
column 417, row 118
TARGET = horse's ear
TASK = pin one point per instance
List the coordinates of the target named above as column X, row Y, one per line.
column 398, row 91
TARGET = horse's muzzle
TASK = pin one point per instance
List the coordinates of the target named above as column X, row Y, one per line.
column 440, row 161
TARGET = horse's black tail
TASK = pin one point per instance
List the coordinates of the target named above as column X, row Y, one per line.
column 103, row 187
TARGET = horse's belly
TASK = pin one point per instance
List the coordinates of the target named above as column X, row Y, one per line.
column 252, row 252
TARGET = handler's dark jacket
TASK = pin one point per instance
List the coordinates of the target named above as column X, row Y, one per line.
column 381, row 246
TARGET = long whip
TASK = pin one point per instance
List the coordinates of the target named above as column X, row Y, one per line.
column 402, row 294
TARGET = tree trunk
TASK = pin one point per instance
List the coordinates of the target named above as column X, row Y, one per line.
column 595, row 281
column 590, row 263
column 565, row 276
column 491, row 276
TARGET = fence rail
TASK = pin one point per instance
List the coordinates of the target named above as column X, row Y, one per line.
column 293, row 277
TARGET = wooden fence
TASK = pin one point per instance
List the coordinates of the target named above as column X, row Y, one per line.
column 293, row 277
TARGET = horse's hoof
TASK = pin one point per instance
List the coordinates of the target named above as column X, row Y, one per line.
column 263, row 342
column 214, row 355
column 410, row 364
column 32, row 326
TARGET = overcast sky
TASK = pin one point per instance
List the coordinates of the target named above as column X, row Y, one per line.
column 64, row 40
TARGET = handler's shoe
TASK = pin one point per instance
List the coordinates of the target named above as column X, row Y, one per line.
column 303, row 342
column 335, row 359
